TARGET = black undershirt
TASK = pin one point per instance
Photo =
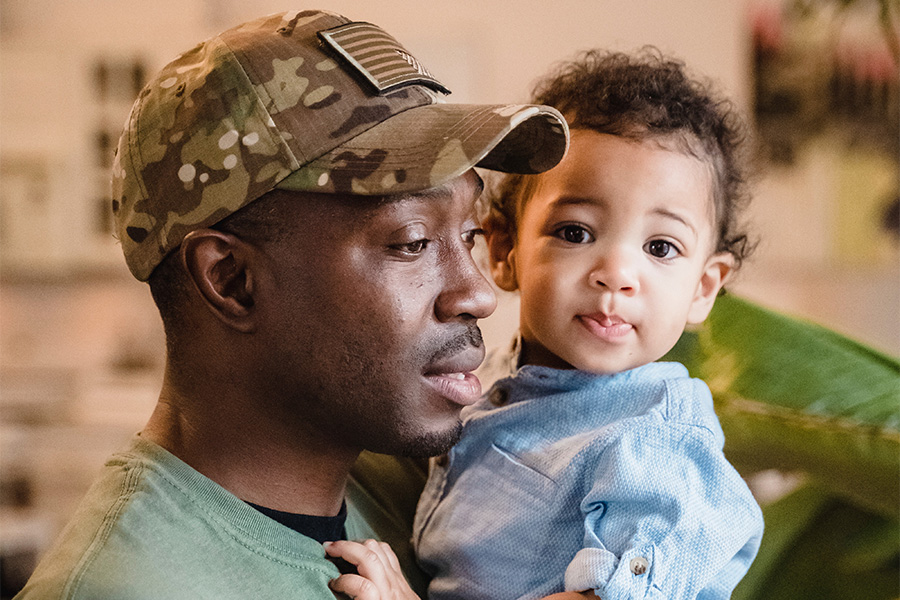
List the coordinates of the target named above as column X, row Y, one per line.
column 321, row 529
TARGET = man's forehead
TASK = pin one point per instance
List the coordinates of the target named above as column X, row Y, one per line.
column 471, row 180
column 459, row 193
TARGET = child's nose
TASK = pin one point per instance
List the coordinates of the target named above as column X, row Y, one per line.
column 616, row 271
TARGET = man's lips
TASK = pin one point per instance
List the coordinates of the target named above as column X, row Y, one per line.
column 609, row 328
column 460, row 388
column 452, row 377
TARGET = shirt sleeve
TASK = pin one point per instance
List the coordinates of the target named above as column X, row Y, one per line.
column 665, row 516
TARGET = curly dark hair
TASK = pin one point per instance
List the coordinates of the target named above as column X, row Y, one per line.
column 645, row 96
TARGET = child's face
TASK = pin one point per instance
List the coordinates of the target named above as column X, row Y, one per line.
column 613, row 255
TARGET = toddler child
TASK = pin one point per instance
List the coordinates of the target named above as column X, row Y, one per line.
column 590, row 468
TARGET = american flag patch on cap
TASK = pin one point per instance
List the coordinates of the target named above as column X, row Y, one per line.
column 379, row 57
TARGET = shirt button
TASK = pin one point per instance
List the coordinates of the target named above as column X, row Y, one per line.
column 442, row 460
column 639, row 565
column 499, row 397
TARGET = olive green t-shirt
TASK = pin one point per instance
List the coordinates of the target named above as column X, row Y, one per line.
column 152, row 527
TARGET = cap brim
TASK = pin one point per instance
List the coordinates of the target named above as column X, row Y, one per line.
column 427, row 146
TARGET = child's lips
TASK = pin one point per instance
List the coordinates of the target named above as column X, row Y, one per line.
column 609, row 328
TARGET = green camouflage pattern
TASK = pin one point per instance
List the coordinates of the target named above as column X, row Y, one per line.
column 267, row 105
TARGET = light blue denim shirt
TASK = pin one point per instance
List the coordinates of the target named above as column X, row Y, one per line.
column 565, row 480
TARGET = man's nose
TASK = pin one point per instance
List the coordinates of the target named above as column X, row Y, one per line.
column 466, row 292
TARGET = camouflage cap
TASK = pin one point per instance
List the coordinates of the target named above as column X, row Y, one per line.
column 305, row 101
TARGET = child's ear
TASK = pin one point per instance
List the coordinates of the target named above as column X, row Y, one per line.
column 714, row 276
column 501, row 254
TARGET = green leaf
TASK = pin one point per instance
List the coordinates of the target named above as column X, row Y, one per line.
column 792, row 395
column 819, row 547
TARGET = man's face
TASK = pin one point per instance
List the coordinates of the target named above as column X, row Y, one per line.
column 370, row 337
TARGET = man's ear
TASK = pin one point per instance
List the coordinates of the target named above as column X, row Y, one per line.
column 219, row 265
column 501, row 254
column 715, row 274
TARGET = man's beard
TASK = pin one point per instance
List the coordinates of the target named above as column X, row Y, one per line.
column 432, row 444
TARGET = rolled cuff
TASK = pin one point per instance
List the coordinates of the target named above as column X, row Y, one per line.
column 630, row 576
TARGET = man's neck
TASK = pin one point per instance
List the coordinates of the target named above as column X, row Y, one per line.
column 250, row 458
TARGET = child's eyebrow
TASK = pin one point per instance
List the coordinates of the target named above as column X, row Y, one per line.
column 663, row 212
column 575, row 201
column 675, row 217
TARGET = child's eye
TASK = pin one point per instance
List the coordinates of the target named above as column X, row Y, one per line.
column 575, row 234
column 661, row 249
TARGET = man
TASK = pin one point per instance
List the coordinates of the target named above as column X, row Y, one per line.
column 302, row 206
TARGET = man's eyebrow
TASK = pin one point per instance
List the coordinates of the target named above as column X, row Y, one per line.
column 479, row 184
column 435, row 193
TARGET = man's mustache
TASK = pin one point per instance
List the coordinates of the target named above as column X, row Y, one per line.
column 470, row 338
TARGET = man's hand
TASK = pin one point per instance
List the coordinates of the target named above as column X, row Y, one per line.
column 379, row 578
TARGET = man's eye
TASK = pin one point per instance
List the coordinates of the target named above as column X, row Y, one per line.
column 574, row 234
column 661, row 249
column 414, row 247
column 469, row 236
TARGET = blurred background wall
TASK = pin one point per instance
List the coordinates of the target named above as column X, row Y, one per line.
column 81, row 345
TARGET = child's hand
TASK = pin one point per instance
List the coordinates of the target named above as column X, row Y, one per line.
column 379, row 576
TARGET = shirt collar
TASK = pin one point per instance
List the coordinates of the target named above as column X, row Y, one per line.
column 500, row 363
